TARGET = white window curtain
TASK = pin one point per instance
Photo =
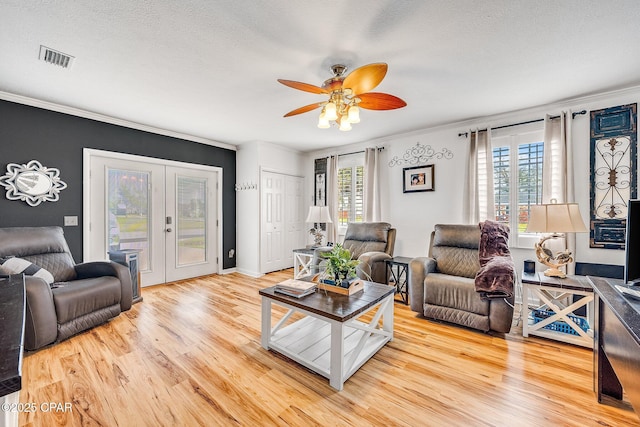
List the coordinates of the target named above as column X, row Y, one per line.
column 332, row 198
column 557, row 173
column 478, row 203
column 371, row 193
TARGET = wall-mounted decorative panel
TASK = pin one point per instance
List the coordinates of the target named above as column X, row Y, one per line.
column 613, row 174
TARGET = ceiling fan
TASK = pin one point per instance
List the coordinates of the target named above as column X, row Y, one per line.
column 347, row 94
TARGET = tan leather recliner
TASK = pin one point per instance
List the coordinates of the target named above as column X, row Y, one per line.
column 82, row 295
column 371, row 243
column 442, row 285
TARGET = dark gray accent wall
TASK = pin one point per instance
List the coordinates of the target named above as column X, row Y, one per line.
column 57, row 140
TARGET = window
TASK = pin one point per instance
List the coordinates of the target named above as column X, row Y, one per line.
column 350, row 189
column 517, row 182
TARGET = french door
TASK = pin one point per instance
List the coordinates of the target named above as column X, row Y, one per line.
column 166, row 212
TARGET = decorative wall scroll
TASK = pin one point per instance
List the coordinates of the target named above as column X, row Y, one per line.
column 32, row 183
column 420, row 154
column 613, row 174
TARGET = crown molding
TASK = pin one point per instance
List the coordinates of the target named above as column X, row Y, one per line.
column 33, row 102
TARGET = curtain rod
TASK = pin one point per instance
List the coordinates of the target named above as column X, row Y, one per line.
column 356, row 152
column 573, row 116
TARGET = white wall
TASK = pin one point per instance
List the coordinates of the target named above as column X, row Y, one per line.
column 414, row 214
column 251, row 158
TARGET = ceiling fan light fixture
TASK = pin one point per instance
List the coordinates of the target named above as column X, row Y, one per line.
column 347, row 95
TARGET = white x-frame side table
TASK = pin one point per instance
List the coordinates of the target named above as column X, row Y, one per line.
column 555, row 295
column 331, row 339
column 302, row 259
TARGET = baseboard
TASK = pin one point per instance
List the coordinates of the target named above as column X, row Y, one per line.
column 253, row 274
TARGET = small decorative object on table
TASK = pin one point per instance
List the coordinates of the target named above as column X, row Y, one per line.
column 340, row 272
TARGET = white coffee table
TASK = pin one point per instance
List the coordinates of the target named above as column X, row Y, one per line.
column 330, row 339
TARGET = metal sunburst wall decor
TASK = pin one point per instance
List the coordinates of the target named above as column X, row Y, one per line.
column 420, row 154
column 32, row 183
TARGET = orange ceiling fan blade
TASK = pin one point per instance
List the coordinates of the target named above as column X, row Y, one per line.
column 303, row 86
column 380, row 101
column 304, row 109
column 365, row 78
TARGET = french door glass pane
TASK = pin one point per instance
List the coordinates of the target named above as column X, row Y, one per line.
column 191, row 224
column 128, row 201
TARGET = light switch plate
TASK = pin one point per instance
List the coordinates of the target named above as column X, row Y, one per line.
column 70, row 221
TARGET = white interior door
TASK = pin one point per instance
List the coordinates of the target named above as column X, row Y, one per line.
column 272, row 227
column 167, row 213
column 294, row 237
column 282, row 222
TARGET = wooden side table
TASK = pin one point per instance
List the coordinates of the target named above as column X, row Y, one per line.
column 556, row 301
column 398, row 269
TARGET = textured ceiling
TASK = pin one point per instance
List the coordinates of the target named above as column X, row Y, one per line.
column 209, row 68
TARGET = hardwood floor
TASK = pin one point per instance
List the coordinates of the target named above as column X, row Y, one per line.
column 190, row 355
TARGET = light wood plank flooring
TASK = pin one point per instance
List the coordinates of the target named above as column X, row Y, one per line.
column 190, row 355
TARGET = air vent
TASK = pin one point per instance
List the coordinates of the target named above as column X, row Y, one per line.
column 54, row 57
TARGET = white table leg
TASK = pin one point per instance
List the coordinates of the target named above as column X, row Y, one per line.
column 387, row 320
column 525, row 308
column 265, row 336
column 336, row 370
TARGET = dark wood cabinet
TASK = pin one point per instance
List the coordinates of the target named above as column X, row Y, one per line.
column 617, row 343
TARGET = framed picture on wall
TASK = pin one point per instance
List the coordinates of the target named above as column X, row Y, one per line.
column 417, row 178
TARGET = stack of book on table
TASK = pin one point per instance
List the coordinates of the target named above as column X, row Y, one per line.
column 296, row 288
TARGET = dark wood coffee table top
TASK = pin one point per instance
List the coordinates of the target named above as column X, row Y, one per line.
column 332, row 305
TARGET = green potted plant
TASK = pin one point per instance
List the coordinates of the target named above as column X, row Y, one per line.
column 340, row 268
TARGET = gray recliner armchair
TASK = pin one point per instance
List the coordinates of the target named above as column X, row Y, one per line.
column 442, row 286
column 371, row 243
column 81, row 295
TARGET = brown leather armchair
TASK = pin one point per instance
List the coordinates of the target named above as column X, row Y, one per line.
column 371, row 243
column 81, row 296
column 442, row 285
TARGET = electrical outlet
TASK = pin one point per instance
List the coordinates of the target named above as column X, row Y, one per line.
column 70, row 221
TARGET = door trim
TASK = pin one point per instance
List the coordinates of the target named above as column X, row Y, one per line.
column 87, row 153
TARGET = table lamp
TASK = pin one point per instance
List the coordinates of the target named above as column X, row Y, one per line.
column 318, row 215
column 554, row 218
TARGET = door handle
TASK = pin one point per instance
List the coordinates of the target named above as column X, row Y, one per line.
column 168, row 230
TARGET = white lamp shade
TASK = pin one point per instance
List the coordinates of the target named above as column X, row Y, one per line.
column 354, row 114
column 319, row 214
column 323, row 123
column 345, row 125
column 556, row 218
column 330, row 111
